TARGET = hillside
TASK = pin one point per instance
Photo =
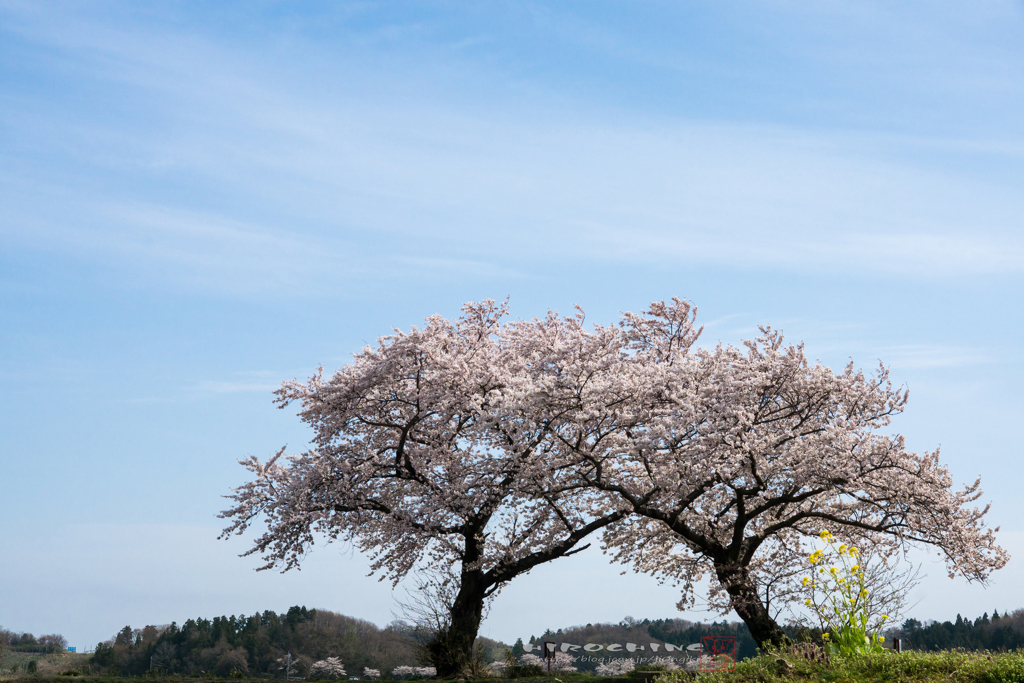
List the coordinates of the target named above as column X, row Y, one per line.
column 15, row 663
column 642, row 634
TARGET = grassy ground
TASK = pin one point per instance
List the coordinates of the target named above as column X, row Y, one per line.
column 887, row 667
column 908, row 667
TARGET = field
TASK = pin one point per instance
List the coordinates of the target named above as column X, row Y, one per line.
column 908, row 667
column 887, row 667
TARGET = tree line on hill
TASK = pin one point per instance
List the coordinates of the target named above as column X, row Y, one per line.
column 678, row 632
column 256, row 645
column 998, row 633
column 259, row 645
column 26, row 642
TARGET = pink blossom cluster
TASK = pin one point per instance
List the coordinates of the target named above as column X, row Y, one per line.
column 561, row 662
column 413, row 671
column 491, row 446
column 327, row 668
column 616, row 667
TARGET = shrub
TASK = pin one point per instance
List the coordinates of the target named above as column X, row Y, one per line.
column 233, row 660
column 809, row 651
column 524, row 671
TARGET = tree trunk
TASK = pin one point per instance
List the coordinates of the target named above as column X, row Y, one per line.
column 451, row 650
column 748, row 605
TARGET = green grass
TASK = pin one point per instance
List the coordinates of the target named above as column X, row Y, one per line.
column 22, row 677
column 886, row 667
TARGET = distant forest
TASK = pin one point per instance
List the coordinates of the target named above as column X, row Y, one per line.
column 995, row 633
column 253, row 645
column 643, row 632
column 999, row 633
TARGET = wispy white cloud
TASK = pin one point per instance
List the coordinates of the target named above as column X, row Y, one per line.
column 838, row 342
column 235, row 387
column 461, row 267
column 933, row 356
column 899, row 357
column 307, row 186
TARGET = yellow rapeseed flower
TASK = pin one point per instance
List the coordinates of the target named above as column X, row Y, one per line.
column 881, row 639
column 842, row 548
column 825, row 534
column 884, row 617
column 854, row 567
column 824, row 636
column 807, row 580
column 807, row 602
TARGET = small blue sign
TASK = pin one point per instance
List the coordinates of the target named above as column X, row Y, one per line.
column 71, row 649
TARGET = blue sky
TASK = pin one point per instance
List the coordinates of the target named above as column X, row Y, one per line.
column 200, row 200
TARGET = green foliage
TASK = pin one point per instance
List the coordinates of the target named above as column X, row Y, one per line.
column 251, row 645
column 644, row 670
column 104, row 656
column 784, row 667
column 995, row 634
column 524, row 671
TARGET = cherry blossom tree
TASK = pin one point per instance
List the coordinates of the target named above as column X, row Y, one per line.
column 617, row 668
column 561, row 662
column 331, row 667
column 732, row 459
column 431, row 449
column 489, row 448
column 401, row 672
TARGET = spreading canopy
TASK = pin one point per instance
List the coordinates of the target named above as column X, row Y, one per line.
column 430, row 438
column 730, row 458
column 493, row 447
column 430, row 450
